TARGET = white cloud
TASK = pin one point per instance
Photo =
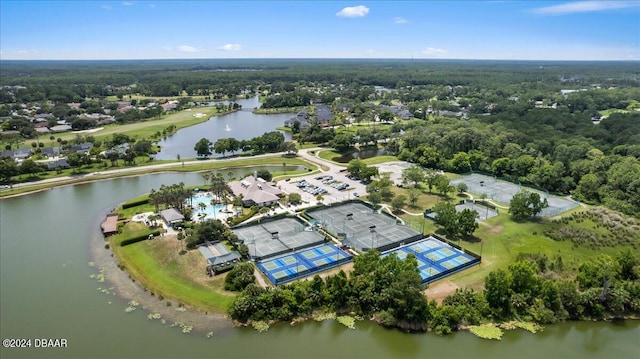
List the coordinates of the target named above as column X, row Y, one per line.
column 127, row 3
column 230, row 47
column 187, row 48
column 106, row 7
column 353, row 11
column 400, row 20
column 584, row 6
column 432, row 51
column 166, row 48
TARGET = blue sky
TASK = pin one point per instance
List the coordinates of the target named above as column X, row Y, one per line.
column 532, row 30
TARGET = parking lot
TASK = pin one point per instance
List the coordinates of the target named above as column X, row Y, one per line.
column 333, row 185
column 328, row 183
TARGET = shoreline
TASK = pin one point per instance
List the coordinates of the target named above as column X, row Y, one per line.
column 171, row 167
column 129, row 289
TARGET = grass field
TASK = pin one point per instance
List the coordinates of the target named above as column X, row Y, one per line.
column 499, row 240
column 161, row 269
column 330, row 154
column 146, row 129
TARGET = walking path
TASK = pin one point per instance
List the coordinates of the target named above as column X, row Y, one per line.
column 258, row 276
column 133, row 170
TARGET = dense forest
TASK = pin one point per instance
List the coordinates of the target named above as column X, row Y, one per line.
column 66, row 81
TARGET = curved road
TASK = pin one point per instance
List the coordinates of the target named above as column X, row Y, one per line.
column 134, row 170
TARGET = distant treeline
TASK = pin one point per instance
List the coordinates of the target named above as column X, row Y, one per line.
column 66, row 81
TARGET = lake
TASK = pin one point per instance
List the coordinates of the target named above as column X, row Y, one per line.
column 47, row 240
column 242, row 125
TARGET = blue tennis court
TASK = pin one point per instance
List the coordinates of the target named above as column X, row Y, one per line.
column 436, row 259
column 285, row 268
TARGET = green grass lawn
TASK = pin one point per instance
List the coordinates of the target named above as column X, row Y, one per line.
column 609, row 111
column 330, row 155
column 159, row 267
column 379, row 159
column 145, row 129
column 499, row 240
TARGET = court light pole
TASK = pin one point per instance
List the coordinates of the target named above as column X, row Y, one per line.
column 372, row 230
column 294, row 254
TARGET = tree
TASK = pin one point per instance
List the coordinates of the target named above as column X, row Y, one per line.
column 203, row 147
column 239, row 277
column 355, row 167
column 295, row 198
column 467, row 223
column 398, row 202
column 462, row 187
column 414, row 196
column 431, row 177
column 219, row 187
column 8, row 169
column 460, row 162
column 413, row 173
column 295, row 127
column 447, row 217
column 342, row 142
column 289, row 147
column 497, row 292
column 29, row 167
column 221, row 146
column 264, row 174
column 375, row 198
column 442, row 184
column 211, row 230
column 526, row 204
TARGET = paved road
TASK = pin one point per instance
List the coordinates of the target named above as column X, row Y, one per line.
column 133, row 170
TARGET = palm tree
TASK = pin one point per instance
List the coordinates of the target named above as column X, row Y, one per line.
column 213, row 203
column 155, row 199
column 206, row 177
column 219, row 187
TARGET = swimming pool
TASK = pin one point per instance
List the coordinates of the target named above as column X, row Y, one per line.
column 208, row 212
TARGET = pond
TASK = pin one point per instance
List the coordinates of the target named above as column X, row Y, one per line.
column 362, row 154
column 242, row 125
column 48, row 238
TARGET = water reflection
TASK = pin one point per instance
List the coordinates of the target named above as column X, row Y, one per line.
column 242, row 125
column 363, row 154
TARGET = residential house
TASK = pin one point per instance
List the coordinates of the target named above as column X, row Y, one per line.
column 51, row 151
column 398, row 111
column 255, row 191
column 60, row 128
column 82, row 148
column 55, row 164
column 20, row 154
column 169, row 106
column 107, row 121
column 323, row 115
column 302, row 117
column 119, row 149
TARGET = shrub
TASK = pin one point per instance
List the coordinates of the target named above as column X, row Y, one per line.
column 235, row 220
column 139, row 238
column 135, row 203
